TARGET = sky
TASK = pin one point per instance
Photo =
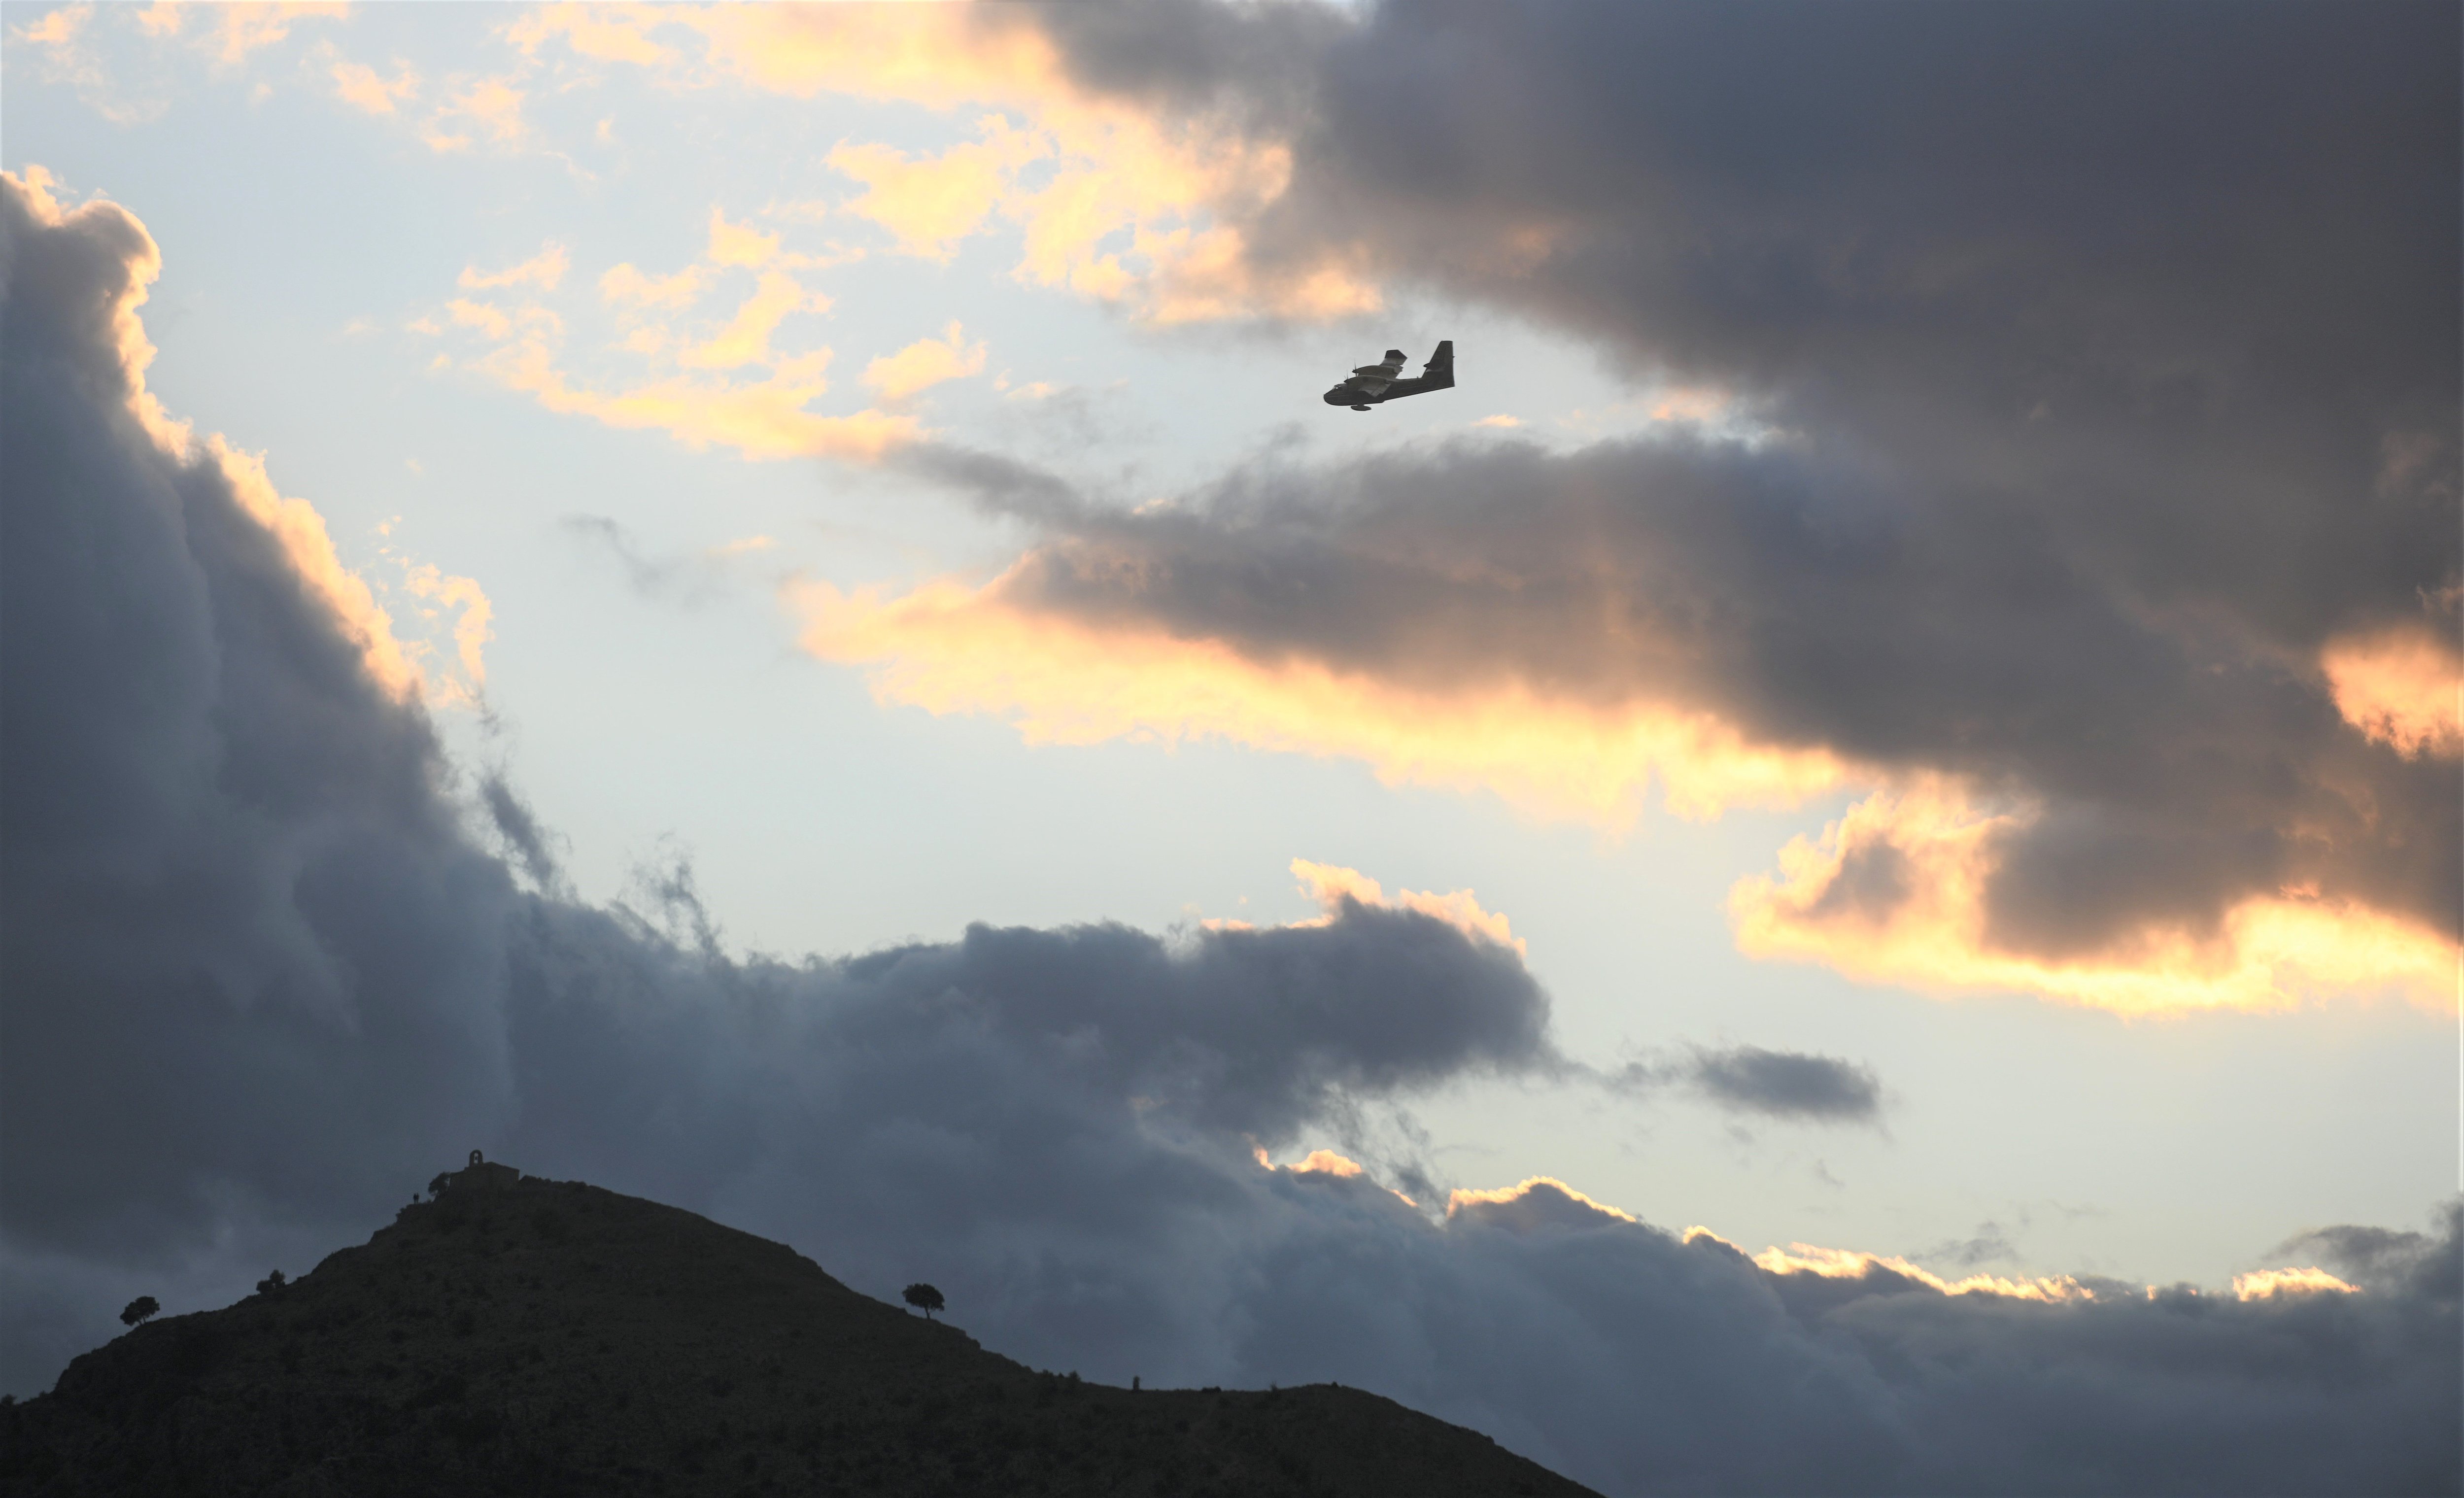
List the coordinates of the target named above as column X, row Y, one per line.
column 760, row 606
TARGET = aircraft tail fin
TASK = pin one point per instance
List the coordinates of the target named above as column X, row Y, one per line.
column 1440, row 370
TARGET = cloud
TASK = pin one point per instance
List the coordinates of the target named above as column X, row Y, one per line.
column 2121, row 584
column 1902, row 890
column 543, row 269
column 951, row 648
column 746, row 340
column 263, row 981
column 1790, row 1085
column 491, row 105
column 764, row 418
column 1332, row 885
column 358, row 84
column 2264, row 1284
column 58, row 28
column 769, row 418
column 1137, row 200
column 610, row 33
column 931, row 203
column 113, row 353
column 1560, row 629
column 739, row 243
column 1787, row 1084
column 2401, row 687
column 627, row 285
column 923, row 363
column 688, row 384
column 1540, row 1202
column 64, row 41
column 242, row 28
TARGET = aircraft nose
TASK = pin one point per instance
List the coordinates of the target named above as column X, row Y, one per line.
column 1336, row 397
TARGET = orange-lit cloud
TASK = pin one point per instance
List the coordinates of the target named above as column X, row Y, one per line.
column 1851, row 1264
column 924, row 362
column 62, row 40
column 241, row 29
column 764, row 419
column 1507, row 1196
column 1330, row 1165
column 950, row 649
column 2401, row 687
column 1133, row 207
column 931, row 203
column 301, row 530
column 1330, row 884
column 627, row 285
column 746, row 340
column 609, row 33
column 58, row 29
column 358, row 84
column 491, row 320
column 1930, row 933
column 471, row 623
column 491, row 105
column 543, row 269
column 739, row 243
column 696, row 389
column 2266, row 1284
column 1326, row 1163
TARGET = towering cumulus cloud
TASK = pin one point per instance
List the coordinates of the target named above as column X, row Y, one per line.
column 2082, row 487
column 262, row 975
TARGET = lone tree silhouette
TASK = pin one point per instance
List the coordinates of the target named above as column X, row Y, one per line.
column 924, row 1298
column 271, row 1282
column 142, row 1307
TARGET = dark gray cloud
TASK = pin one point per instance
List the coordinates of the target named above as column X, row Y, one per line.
column 1751, row 1079
column 2180, row 772
column 259, row 981
column 1787, row 1084
column 2113, row 351
column 532, row 845
column 2384, row 1259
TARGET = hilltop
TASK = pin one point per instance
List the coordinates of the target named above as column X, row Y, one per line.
column 526, row 1336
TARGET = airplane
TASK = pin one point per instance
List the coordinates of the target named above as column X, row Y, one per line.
column 1375, row 385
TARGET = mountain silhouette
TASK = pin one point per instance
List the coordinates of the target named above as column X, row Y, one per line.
column 524, row 1337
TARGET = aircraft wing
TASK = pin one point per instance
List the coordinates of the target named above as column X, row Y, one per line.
column 1438, row 374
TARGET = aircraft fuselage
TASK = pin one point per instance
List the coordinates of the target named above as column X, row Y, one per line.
column 1375, row 385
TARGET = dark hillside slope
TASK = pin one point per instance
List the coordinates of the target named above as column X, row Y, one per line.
column 536, row 1338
